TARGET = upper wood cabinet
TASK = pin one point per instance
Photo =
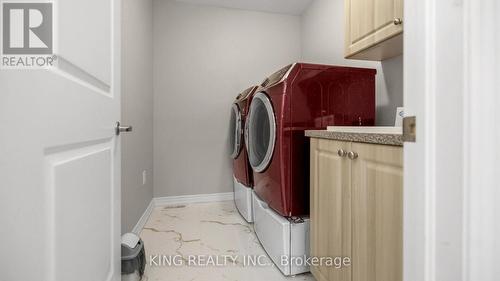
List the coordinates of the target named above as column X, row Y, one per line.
column 373, row 29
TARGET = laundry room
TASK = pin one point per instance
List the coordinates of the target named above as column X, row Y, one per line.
column 315, row 140
column 213, row 62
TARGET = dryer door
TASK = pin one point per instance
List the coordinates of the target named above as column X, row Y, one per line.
column 235, row 131
column 260, row 132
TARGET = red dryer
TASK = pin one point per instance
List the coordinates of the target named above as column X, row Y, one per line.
column 301, row 97
column 241, row 168
column 242, row 172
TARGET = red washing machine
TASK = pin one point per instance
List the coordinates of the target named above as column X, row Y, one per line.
column 242, row 172
column 298, row 97
column 301, row 97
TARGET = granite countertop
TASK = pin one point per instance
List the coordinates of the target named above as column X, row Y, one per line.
column 358, row 135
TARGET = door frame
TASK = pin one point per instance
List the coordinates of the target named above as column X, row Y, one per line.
column 451, row 60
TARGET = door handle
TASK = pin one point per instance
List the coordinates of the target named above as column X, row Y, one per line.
column 342, row 153
column 352, row 155
column 119, row 128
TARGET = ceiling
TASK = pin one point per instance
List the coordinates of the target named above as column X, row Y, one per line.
column 290, row 7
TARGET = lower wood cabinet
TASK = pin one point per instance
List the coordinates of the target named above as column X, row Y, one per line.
column 356, row 209
column 330, row 207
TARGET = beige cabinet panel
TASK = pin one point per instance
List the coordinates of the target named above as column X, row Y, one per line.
column 360, row 9
column 377, row 213
column 370, row 29
column 330, row 206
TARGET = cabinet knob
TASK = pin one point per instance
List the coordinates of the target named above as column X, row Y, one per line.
column 352, row 155
column 342, row 153
column 397, row 21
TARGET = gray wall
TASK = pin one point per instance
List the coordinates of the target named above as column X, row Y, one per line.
column 137, row 109
column 204, row 56
column 323, row 42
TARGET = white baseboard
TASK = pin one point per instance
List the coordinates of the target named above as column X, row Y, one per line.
column 144, row 218
column 172, row 200
column 198, row 198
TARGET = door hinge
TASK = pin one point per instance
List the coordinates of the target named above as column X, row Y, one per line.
column 409, row 129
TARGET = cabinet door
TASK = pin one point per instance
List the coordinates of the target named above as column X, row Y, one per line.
column 377, row 213
column 369, row 23
column 330, row 207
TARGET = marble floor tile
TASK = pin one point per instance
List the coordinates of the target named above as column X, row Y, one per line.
column 213, row 232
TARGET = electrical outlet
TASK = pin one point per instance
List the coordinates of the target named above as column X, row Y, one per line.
column 144, row 177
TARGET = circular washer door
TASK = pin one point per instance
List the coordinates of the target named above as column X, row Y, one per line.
column 235, row 131
column 260, row 132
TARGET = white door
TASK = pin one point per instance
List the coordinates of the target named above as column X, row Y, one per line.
column 59, row 155
column 433, row 74
column 452, row 69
